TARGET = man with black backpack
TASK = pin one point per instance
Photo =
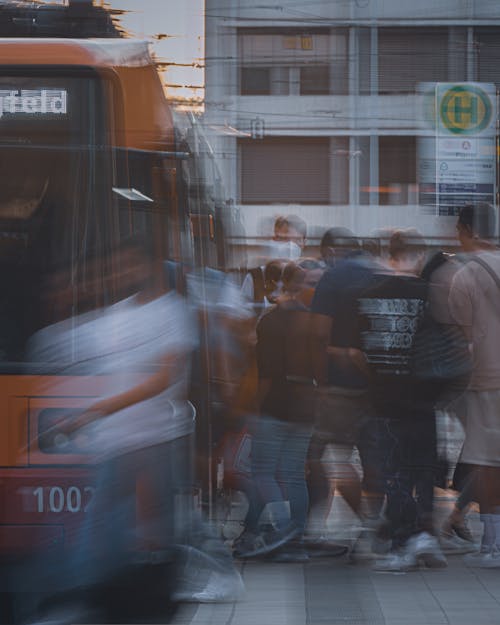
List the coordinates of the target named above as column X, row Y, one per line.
column 474, row 302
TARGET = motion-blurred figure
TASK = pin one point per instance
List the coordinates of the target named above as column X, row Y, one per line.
column 474, row 301
column 441, row 267
column 392, row 310
column 281, row 433
column 139, row 432
column 226, row 371
column 343, row 408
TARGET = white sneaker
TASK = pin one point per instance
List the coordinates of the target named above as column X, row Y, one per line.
column 453, row 544
column 397, row 562
column 484, row 559
column 426, row 549
column 220, row 588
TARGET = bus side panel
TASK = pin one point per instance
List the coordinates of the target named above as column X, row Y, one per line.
column 42, row 508
column 147, row 116
column 44, row 496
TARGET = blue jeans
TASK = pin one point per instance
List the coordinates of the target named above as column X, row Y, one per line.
column 157, row 478
column 279, row 451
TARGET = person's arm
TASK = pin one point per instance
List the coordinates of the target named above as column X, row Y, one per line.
column 321, row 327
column 322, row 351
column 348, row 356
column 151, row 386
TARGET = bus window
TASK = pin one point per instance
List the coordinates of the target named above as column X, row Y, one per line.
column 133, row 193
column 145, row 193
column 51, row 212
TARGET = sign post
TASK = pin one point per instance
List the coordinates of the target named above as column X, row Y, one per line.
column 465, row 153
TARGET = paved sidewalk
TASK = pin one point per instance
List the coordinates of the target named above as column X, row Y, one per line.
column 331, row 591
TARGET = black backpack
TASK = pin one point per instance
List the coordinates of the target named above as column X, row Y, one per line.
column 258, row 285
column 440, row 352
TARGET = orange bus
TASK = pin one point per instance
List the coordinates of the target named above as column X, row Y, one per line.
column 88, row 157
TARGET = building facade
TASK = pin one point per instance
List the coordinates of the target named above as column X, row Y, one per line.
column 318, row 108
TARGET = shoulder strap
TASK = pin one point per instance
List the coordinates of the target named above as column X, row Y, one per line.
column 258, row 284
column 486, row 267
column 434, row 263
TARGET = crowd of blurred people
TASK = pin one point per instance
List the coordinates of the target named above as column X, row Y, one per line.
column 356, row 354
column 326, row 376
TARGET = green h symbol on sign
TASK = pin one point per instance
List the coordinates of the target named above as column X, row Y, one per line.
column 465, row 109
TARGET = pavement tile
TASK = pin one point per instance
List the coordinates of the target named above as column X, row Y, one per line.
column 332, row 592
column 473, row 617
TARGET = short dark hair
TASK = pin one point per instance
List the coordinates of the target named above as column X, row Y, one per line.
column 310, row 264
column 479, row 219
column 405, row 243
column 273, row 270
column 339, row 237
column 293, row 277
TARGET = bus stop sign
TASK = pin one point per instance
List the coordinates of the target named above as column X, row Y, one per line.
column 465, row 109
column 464, row 146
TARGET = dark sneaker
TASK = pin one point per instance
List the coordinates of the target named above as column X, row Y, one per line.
column 291, row 552
column 267, row 542
column 244, row 543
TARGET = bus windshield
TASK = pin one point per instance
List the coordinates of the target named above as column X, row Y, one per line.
column 51, row 142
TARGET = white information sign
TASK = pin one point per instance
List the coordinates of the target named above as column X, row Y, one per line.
column 458, row 165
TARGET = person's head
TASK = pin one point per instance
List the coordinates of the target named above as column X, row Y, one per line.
column 336, row 243
column 475, row 225
column 371, row 246
column 314, row 270
column 407, row 249
column 383, row 236
column 273, row 273
column 296, row 284
column 293, row 279
column 290, row 228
